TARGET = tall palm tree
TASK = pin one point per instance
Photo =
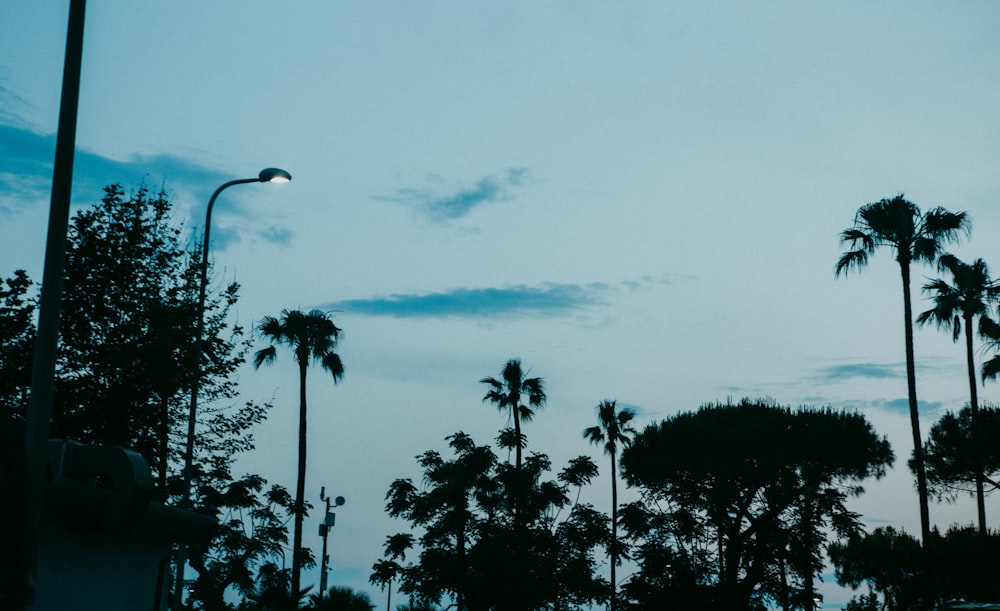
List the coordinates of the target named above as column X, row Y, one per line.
column 508, row 394
column 615, row 432
column 312, row 337
column 915, row 236
column 967, row 298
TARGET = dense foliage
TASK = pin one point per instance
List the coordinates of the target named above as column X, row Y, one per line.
column 124, row 360
column 955, row 456
column 742, row 498
column 962, row 566
column 124, row 369
column 17, row 335
column 496, row 536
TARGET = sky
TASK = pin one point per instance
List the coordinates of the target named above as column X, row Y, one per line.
column 642, row 201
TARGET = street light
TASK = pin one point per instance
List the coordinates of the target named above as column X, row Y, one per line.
column 266, row 175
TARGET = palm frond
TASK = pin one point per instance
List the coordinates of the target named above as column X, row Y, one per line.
column 331, row 362
column 264, row 356
column 948, row 226
column 991, row 368
column 853, row 259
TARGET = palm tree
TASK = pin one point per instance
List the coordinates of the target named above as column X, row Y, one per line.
column 312, row 337
column 615, row 432
column 914, row 236
column 954, row 304
column 507, row 394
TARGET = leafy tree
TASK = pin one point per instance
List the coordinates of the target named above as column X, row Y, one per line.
column 126, row 251
column 17, row 339
column 865, row 602
column 339, row 598
column 915, row 236
column 272, row 591
column 953, row 465
column 761, row 484
column 967, row 562
column 252, row 531
column 312, row 337
column 967, row 298
column 615, row 432
column 963, row 567
column 385, row 571
column 417, row 606
column 125, row 339
column 674, row 553
column 124, row 354
column 509, row 394
column 474, row 550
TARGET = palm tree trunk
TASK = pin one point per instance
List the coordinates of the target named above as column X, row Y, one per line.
column 300, row 484
column 614, row 533
column 974, row 408
column 517, row 434
column 911, row 383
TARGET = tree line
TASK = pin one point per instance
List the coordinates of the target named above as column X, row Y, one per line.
column 740, row 504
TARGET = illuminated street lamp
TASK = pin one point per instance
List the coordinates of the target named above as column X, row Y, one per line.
column 266, row 175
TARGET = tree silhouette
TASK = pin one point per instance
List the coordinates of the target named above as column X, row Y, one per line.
column 340, row 598
column 17, row 341
column 508, row 394
column 312, row 337
column 968, row 297
column 915, row 236
column 731, row 481
column 252, row 531
column 951, row 466
column 614, row 431
column 385, row 570
column 491, row 537
column 963, row 566
column 888, row 560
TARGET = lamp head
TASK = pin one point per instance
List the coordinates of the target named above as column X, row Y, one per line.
column 274, row 175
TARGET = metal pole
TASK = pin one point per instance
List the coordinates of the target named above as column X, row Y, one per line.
column 325, row 529
column 196, row 381
column 198, row 340
column 46, row 342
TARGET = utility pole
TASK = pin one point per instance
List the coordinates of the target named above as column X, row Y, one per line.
column 324, row 528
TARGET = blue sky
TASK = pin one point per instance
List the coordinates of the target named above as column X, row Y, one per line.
column 640, row 200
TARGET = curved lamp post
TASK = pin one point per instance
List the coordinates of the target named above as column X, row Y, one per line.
column 266, row 175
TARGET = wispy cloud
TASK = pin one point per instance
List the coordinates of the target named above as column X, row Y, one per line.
column 546, row 299
column 902, row 405
column 276, row 235
column 26, row 179
column 862, row 370
column 449, row 206
column 28, row 162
